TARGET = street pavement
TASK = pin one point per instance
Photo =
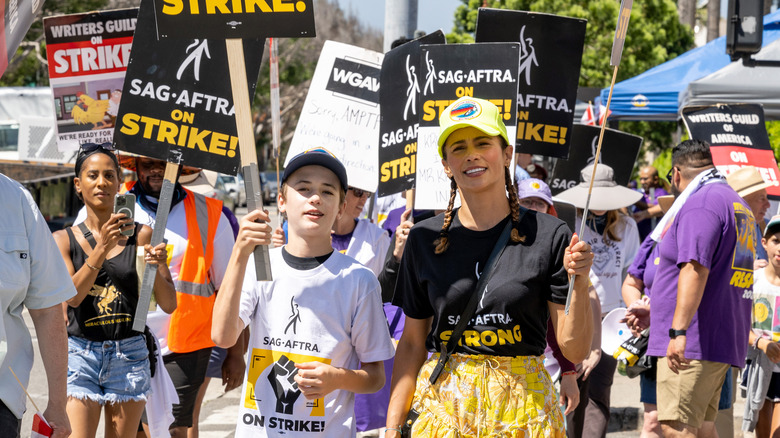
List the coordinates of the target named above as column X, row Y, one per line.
column 219, row 410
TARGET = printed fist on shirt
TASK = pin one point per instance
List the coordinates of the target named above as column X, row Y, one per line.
column 282, row 379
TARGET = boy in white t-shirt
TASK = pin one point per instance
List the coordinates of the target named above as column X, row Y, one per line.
column 318, row 333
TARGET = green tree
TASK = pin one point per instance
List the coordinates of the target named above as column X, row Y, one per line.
column 773, row 129
column 654, row 36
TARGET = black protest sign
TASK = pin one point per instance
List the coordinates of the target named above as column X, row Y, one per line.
column 618, row 151
column 177, row 97
column 737, row 137
column 16, row 16
column 550, row 59
column 399, row 119
column 450, row 71
column 235, row 18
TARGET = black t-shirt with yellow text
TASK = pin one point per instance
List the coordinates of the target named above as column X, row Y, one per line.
column 511, row 316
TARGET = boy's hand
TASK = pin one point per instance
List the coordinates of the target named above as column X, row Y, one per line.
column 252, row 233
column 316, row 379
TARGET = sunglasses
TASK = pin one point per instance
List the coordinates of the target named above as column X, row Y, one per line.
column 360, row 192
column 670, row 174
column 89, row 147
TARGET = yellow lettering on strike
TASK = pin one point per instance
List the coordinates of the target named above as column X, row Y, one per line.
column 172, row 7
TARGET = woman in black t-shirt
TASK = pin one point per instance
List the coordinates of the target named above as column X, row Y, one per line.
column 495, row 383
column 108, row 362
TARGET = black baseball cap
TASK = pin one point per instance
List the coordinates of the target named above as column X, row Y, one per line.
column 317, row 157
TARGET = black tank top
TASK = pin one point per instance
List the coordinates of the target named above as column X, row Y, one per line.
column 107, row 312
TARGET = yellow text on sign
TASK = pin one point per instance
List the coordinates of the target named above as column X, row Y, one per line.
column 433, row 108
column 179, row 135
column 176, row 7
column 400, row 167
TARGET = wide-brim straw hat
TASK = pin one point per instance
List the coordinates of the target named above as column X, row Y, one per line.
column 746, row 180
column 606, row 195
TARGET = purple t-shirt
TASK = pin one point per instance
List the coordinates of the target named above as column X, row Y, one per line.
column 645, row 226
column 715, row 228
column 645, row 263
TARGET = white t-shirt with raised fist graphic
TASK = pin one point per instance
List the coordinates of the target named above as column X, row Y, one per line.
column 331, row 314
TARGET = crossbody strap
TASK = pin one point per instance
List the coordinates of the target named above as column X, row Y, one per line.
column 88, row 235
column 448, row 347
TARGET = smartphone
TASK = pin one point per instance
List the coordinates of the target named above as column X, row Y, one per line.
column 125, row 203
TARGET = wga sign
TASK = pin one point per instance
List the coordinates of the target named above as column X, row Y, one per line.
column 355, row 80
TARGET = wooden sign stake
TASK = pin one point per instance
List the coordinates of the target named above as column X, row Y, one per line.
column 617, row 51
column 158, row 236
column 246, row 144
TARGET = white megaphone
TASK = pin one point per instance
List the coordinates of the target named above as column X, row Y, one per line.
column 614, row 332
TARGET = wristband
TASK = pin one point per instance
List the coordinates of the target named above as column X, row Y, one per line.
column 755, row 343
column 90, row 266
column 396, row 429
column 567, row 373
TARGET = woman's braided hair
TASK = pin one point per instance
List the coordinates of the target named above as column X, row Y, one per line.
column 442, row 243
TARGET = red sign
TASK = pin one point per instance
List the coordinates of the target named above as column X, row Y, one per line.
column 730, row 158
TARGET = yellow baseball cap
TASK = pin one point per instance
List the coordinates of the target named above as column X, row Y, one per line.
column 474, row 112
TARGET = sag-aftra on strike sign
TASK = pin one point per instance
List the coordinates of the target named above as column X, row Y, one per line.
column 234, row 18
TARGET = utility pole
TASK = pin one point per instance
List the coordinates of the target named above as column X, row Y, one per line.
column 400, row 20
column 687, row 11
column 713, row 19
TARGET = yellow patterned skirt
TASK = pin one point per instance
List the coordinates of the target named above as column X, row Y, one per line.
column 487, row 396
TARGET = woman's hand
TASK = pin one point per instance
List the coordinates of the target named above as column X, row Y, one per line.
column 578, row 257
column 111, row 231
column 570, row 393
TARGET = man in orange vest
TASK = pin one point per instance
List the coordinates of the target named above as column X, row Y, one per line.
column 200, row 241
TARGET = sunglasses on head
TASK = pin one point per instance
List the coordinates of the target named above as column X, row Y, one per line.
column 89, row 147
column 359, row 192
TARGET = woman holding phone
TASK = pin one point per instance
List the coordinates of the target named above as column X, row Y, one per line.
column 108, row 362
column 494, row 383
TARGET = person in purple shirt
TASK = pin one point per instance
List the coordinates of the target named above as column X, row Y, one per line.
column 647, row 210
column 702, row 294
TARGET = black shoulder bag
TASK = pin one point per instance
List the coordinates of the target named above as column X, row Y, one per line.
column 448, row 347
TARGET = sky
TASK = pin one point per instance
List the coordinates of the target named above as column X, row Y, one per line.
column 431, row 14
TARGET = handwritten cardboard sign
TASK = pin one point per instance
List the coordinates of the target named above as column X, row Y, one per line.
column 341, row 111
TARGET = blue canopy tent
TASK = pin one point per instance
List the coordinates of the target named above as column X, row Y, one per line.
column 653, row 95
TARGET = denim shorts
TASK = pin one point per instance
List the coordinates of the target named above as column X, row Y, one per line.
column 108, row 371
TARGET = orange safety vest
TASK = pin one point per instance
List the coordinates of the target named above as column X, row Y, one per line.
column 189, row 328
column 190, row 325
